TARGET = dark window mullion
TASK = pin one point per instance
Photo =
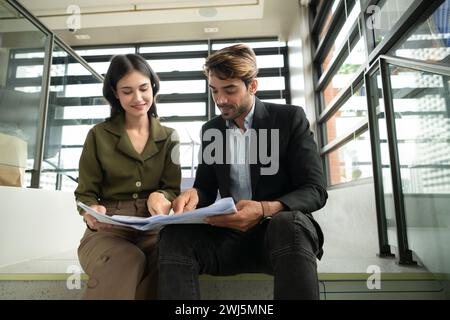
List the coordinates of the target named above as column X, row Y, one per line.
column 343, row 53
column 343, row 140
column 321, row 15
column 341, row 98
column 182, row 97
column 181, row 75
column 337, row 21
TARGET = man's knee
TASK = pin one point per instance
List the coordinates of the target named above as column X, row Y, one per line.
column 176, row 239
column 291, row 229
column 283, row 217
column 171, row 236
column 281, row 226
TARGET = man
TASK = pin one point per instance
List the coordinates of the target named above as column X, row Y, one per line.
column 273, row 230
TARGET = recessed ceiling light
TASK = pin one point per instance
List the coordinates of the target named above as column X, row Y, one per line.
column 82, row 36
column 211, row 30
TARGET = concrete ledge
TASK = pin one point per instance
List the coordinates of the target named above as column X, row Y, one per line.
column 421, row 276
column 36, row 223
column 240, row 287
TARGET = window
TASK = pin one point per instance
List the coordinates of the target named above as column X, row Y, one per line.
column 352, row 113
column 327, row 19
column 339, row 60
column 342, row 36
column 181, row 109
column 104, row 51
column 430, row 40
column 352, row 62
column 352, row 161
column 390, row 13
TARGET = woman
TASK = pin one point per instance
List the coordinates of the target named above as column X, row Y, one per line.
column 127, row 167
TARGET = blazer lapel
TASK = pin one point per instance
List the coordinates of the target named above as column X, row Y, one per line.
column 117, row 127
column 125, row 146
column 223, row 171
column 157, row 133
column 261, row 120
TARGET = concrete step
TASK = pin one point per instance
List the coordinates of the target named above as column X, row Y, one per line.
column 52, row 277
column 240, row 287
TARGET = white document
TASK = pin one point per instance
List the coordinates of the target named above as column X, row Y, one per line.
column 222, row 206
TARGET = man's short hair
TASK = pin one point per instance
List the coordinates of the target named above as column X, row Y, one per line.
column 235, row 62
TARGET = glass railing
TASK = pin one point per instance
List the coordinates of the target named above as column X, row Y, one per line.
column 421, row 105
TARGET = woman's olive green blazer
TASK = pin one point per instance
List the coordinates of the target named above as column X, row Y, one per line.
column 111, row 169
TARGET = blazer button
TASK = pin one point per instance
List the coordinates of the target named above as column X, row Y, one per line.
column 138, row 184
column 135, row 195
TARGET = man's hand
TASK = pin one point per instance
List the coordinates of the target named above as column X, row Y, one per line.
column 248, row 215
column 187, row 201
column 158, row 204
column 92, row 222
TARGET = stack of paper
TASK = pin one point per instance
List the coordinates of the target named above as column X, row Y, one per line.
column 222, row 206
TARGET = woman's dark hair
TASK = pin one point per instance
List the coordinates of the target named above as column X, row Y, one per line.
column 119, row 67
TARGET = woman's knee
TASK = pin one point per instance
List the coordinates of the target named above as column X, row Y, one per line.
column 126, row 258
column 116, row 273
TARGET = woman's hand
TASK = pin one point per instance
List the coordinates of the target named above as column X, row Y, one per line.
column 158, row 204
column 92, row 222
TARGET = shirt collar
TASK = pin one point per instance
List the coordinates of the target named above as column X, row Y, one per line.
column 116, row 125
column 248, row 121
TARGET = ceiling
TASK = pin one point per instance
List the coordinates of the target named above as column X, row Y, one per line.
column 127, row 21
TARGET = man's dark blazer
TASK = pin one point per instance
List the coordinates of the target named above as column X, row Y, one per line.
column 299, row 183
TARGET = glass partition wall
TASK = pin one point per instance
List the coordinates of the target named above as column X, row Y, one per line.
column 21, row 97
column 38, row 97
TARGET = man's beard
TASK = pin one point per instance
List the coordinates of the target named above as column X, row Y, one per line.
column 236, row 111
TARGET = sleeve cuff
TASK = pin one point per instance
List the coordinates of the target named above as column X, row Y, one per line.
column 167, row 195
